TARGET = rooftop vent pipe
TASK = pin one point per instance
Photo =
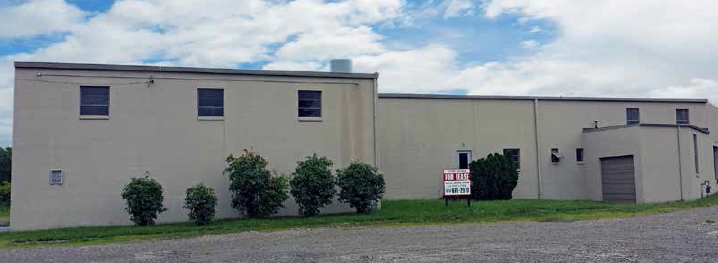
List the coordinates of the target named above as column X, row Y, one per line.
column 340, row 65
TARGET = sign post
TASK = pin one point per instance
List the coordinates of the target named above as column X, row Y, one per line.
column 457, row 184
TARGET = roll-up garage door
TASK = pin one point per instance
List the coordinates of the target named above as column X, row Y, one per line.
column 618, row 180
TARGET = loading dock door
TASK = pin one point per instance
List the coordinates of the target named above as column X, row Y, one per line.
column 618, row 180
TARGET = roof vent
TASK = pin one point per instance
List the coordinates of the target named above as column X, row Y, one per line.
column 340, row 65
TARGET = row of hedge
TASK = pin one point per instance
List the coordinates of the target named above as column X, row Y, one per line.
column 256, row 193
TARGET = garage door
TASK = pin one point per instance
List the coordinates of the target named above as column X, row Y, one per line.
column 619, row 184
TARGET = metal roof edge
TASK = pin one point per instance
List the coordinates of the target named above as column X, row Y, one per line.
column 502, row 97
column 144, row 68
column 665, row 125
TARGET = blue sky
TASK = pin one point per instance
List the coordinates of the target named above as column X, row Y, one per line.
column 610, row 48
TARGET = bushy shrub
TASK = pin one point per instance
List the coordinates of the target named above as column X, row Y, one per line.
column 361, row 186
column 5, row 193
column 200, row 201
column 144, row 200
column 493, row 177
column 254, row 191
column 312, row 184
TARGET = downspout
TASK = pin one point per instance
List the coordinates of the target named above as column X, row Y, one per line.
column 536, row 140
column 375, row 95
column 376, row 152
column 680, row 165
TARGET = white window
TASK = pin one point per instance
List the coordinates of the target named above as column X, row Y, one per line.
column 463, row 158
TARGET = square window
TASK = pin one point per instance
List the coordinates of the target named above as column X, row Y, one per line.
column 514, row 155
column 210, row 102
column 682, row 116
column 94, row 100
column 309, row 103
column 633, row 116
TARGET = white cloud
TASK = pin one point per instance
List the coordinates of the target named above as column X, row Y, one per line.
column 535, row 29
column 456, row 8
column 529, row 44
column 420, row 70
column 38, row 17
column 696, row 88
column 643, row 47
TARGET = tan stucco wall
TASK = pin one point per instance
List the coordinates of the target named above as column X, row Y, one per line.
column 663, row 160
column 561, row 124
column 610, row 143
column 155, row 128
column 419, row 137
column 660, row 166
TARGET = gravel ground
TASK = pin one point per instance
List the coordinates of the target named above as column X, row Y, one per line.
column 685, row 236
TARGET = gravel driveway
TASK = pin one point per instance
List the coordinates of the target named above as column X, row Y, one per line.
column 683, row 236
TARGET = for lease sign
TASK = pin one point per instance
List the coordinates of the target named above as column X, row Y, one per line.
column 457, row 182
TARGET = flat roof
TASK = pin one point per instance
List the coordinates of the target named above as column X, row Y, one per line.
column 664, row 125
column 141, row 68
column 499, row 97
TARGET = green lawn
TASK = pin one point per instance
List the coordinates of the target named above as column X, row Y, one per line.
column 393, row 212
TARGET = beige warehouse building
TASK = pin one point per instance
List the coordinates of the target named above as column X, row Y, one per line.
column 82, row 130
column 643, row 150
column 96, row 126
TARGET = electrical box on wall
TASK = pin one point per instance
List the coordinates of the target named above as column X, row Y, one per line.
column 56, row 177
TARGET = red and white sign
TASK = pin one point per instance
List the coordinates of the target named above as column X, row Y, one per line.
column 457, row 182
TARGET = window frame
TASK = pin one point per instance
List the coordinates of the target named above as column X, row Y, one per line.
column 318, row 109
column 555, row 156
column 211, row 107
column 468, row 158
column 517, row 160
column 635, row 121
column 681, row 121
column 83, row 105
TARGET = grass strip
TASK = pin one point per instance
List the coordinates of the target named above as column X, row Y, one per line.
column 393, row 213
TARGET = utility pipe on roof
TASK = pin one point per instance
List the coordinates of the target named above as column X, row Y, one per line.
column 538, row 155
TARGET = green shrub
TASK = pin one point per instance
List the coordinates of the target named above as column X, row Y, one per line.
column 4, row 193
column 493, row 177
column 200, row 201
column 361, row 186
column 313, row 184
column 144, row 200
column 254, row 191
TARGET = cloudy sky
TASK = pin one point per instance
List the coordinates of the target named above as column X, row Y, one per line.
column 646, row 48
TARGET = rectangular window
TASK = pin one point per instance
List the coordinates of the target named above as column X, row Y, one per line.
column 633, row 116
column 210, row 102
column 682, row 116
column 309, row 103
column 463, row 158
column 514, row 155
column 579, row 155
column 94, row 101
column 555, row 157
column 55, row 177
column 695, row 152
